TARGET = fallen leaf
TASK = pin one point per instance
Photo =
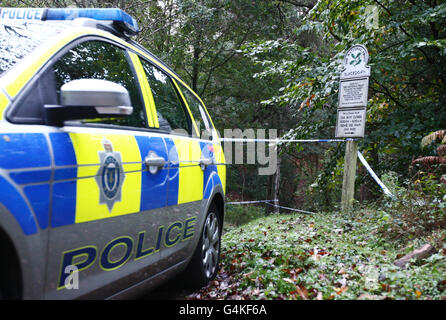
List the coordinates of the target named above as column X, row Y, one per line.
column 298, row 270
column 385, row 287
column 342, row 271
column 322, row 276
column 303, row 293
column 288, row 280
column 368, row 296
column 341, row 290
column 418, row 293
column 224, row 285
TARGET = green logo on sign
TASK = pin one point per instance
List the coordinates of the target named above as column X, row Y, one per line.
column 356, row 59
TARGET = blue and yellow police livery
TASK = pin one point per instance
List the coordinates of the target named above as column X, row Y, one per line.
column 112, row 175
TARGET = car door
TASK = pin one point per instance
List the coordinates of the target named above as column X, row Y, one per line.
column 106, row 203
column 211, row 151
column 185, row 187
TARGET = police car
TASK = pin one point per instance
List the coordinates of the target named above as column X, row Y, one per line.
column 112, row 176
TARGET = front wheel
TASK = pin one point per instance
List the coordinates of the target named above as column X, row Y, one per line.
column 204, row 264
column 210, row 245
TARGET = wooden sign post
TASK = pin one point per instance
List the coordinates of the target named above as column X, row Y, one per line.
column 348, row 183
column 351, row 117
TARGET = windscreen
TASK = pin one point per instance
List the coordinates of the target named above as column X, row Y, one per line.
column 18, row 40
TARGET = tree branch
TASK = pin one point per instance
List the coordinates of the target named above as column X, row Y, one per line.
column 308, row 5
column 229, row 57
column 382, row 6
column 387, row 92
column 405, row 31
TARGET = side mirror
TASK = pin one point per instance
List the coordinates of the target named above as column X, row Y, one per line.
column 89, row 99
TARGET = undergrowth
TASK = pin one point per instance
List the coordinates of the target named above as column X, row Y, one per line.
column 328, row 255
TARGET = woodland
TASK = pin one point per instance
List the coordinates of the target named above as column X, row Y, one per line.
column 275, row 65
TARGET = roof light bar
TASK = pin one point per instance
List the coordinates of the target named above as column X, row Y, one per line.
column 120, row 18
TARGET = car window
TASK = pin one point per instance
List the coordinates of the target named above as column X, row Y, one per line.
column 172, row 116
column 202, row 121
column 102, row 60
column 18, row 40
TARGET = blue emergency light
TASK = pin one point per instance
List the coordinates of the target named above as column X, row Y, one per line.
column 117, row 16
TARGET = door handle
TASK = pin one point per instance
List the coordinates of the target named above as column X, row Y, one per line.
column 205, row 162
column 154, row 163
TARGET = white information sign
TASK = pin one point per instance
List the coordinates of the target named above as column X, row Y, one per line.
column 355, row 63
column 350, row 123
column 353, row 93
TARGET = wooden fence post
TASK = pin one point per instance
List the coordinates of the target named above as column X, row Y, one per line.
column 348, row 184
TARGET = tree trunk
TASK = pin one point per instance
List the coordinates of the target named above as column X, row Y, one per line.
column 269, row 194
column 276, row 186
column 422, row 253
column 195, row 68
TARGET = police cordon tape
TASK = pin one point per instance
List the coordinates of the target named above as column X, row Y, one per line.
column 284, row 140
column 292, row 209
column 375, row 177
column 268, row 202
column 251, row 202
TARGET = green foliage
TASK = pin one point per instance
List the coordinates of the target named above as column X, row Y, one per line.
column 416, row 211
column 276, row 64
column 324, row 256
column 236, row 215
column 325, row 191
column 407, row 92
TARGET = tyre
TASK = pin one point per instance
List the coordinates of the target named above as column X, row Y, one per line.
column 204, row 264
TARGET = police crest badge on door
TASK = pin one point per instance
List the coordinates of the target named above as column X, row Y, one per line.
column 110, row 176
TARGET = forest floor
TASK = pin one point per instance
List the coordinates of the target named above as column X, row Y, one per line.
column 323, row 256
